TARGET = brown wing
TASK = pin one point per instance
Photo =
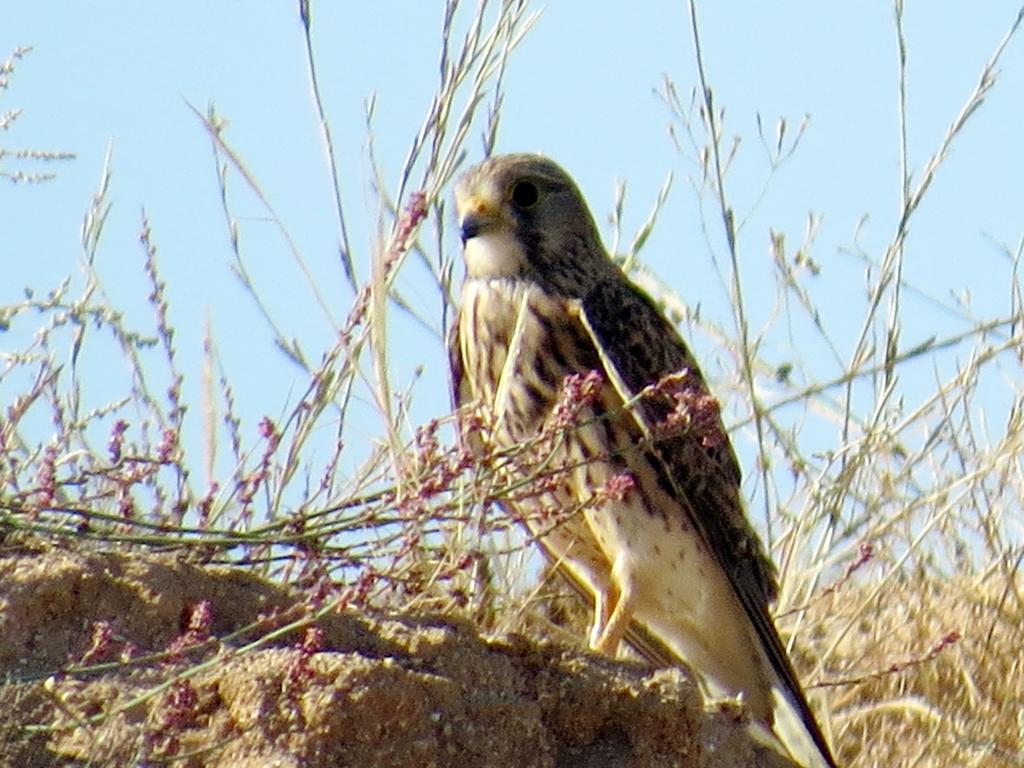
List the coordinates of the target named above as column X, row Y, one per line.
column 638, row 348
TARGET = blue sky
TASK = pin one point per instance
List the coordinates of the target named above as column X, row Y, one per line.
column 581, row 89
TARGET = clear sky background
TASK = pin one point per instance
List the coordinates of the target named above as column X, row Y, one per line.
column 581, row 88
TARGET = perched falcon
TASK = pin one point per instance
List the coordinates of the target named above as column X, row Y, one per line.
column 636, row 489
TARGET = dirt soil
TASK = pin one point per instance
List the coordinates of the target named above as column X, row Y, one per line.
column 374, row 691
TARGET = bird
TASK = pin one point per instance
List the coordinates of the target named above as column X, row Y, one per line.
column 593, row 400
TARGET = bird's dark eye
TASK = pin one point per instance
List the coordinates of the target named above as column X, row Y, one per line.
column 525, row 195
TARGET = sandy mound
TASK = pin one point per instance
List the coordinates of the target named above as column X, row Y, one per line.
column 371, row 691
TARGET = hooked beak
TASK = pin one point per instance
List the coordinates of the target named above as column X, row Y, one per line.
column 477, row 215
column 472, row 225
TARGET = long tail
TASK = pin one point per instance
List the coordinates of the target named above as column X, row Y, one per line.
column 795, row 734
column 795, row 724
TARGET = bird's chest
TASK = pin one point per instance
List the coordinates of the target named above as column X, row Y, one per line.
column 517, row 346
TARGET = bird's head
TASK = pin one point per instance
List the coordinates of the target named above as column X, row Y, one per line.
column 521, row 216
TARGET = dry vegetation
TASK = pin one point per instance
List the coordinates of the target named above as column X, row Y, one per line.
column 898, row 542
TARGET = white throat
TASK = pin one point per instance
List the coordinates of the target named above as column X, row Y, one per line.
column 494, row 254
